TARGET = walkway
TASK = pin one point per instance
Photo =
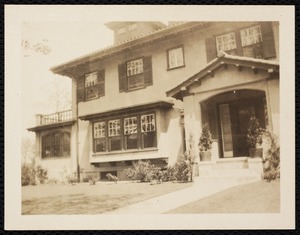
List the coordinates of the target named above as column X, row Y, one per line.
column 200, row 189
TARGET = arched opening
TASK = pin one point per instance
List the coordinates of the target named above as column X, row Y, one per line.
column 228, row 114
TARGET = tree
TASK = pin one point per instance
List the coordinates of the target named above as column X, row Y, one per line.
column 28, row 150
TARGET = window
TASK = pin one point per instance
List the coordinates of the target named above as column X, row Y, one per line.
column 251, row 36
column 251, row 42
column 226, row 42
column 114, row 132
column 91, row 86
column 175, row 58
column 99, row 137
column 135, row 74
column 56, row 145
column 125, row 133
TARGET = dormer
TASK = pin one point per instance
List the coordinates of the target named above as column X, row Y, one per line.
column 125, row 30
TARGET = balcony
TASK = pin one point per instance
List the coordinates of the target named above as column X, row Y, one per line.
column 52, row 118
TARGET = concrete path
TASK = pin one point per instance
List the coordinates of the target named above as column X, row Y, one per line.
column 200, row 189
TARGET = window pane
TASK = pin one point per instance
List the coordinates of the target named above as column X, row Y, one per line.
column 115, row 143
column 99, row 129
column 149, row 139
column 132, row 141
column 226, row 42
column 135, row 67
column 251, row 36
column 130, row 125
column 91, row 79
column 175, row 57
column 136, row 81
column 100, row 145
column 148, row 123
column 114, row 127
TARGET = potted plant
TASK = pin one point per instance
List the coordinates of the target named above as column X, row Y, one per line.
column 254, row 137
column 205, row 144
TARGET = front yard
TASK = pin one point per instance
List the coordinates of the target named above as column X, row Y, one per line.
column 90, row 199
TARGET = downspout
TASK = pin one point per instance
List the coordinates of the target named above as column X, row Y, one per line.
column 77, row 138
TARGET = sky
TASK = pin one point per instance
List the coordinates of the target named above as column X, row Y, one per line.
column 66, row 40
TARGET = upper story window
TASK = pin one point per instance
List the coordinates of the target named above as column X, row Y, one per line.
column 91, row 86
column 175, row 57
column 56, row 144
column 226, row 42
column 135, row 74
column 251, row 42
column 251, row 36
column 256, row 41
column 134, row 67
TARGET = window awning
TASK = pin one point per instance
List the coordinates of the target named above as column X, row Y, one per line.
column 129, row 109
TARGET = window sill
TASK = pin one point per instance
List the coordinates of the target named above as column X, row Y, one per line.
column 178, row 67
column 124, row 152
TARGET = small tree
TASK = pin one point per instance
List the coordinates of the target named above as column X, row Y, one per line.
column 254, row 134
column 205, row 141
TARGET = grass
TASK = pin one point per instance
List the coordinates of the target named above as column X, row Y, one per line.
column 89, row 199
column 258, row 197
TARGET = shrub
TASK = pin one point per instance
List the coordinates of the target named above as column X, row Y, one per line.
column 205, row 141
column 168, row 174
column 143, row 171
column 28, row 175
column 272, row 158
column 182, row 170
column 71, row 178
column 254, row 133
column 42, row 174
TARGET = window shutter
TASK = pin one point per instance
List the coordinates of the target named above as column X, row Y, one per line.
column 147, row 62
column 122, row 77
column 238, row 42
column 268, row 40
column 211, row 50
column 101, row 82
column 80, row 89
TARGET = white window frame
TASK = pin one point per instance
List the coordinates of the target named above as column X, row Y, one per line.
column 147, row 123
column 251, row 36
column 226, row 42
column 114, row 127
column 91, row 79
column 99, row 130
column 130, row 126
column 175, row 57
column 135, row 67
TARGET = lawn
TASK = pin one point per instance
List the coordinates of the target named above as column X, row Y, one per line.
column 90, row 199
column 258, row 197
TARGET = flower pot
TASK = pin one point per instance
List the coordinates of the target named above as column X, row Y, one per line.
column 205, row 156
column 256, row 152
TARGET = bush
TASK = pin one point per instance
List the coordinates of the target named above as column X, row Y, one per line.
column 272, row 159
column 71, row 178
column 42, row 174
column 28, row 175
column 182, row 170
column 143, row 171
column 254, row 132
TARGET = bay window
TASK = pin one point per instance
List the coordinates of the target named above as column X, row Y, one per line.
column 125, row 133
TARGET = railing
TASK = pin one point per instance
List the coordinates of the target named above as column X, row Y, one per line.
column 54, row 117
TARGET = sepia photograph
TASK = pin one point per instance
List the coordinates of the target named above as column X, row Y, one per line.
column 181, row 121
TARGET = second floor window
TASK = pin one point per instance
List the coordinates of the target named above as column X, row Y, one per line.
column 226, row 42
column 175, row 58
column 251, row 36
column 91, row 86
column 135, row 74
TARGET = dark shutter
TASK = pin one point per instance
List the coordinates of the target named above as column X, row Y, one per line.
column 211, row 50
column 267, row 40
column 147, row 62
column 101, row 82
column 80, row 89
column 122, row 77
column 238, row 42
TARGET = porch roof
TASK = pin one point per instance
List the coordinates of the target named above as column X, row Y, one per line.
column 52, row 125
column 125, row 110
column 223, row 59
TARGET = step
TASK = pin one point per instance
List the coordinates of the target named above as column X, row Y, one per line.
column 231, row 163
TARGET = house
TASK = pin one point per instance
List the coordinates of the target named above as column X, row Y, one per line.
column 142, row 97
